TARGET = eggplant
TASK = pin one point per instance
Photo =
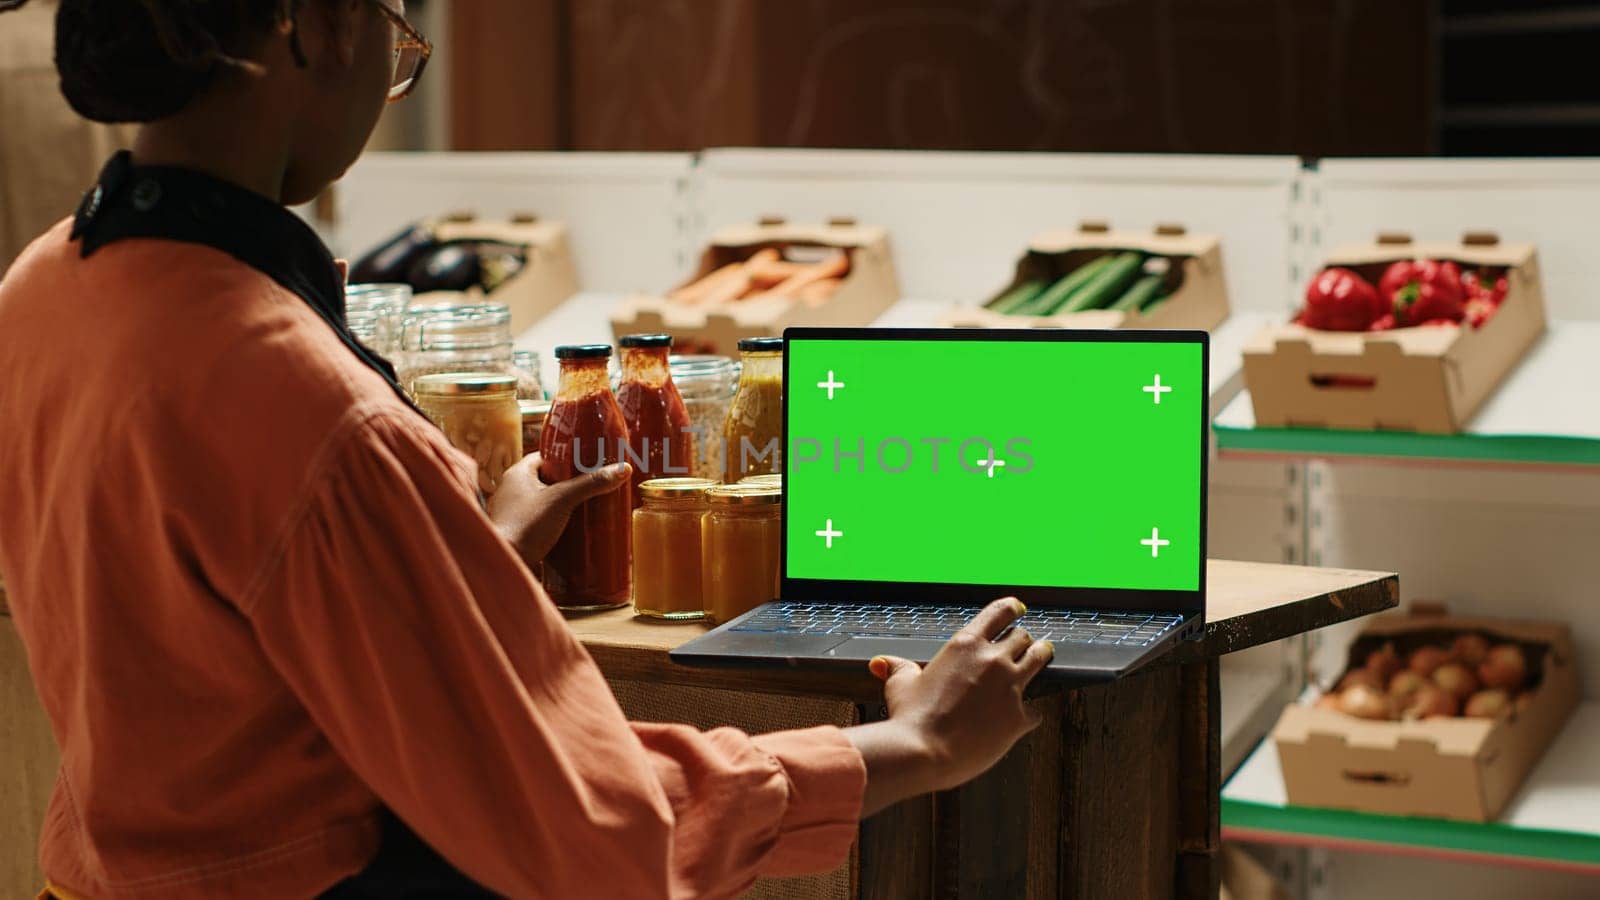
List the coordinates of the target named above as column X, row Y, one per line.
column 392, row 260
column 464, row 264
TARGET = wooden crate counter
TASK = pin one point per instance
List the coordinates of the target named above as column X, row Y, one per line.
column 1117, row 794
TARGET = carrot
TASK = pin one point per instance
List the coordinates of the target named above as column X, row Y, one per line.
column 768, row 275
column 696, row 292
column 819, row 292
column 835, row 266
column 734, row 288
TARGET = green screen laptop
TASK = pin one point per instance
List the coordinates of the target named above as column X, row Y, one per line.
column 928, row 472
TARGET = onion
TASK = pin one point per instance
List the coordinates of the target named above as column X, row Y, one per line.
column 1470, row 648
column 1365, row 702
column 1505, row 667
column 1405, row 683
column 1490, row 704
column 1425, row 659
column 1429, row 702
column 1456, row 679
column 1329, row 701
column 1384, row 662
column 1363, row 677
column 1523, row 701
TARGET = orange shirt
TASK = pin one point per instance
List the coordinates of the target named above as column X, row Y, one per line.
column 262, row 605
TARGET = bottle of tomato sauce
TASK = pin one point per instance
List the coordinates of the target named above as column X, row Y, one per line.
column 659, row 440
column 589, row 567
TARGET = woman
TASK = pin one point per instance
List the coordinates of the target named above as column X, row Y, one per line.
column 284, row 649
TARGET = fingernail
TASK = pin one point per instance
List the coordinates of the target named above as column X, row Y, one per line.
column 616, row 472
column 1052, row 646
column 1022, row 608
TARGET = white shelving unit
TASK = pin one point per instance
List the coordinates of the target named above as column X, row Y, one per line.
column 1499, row 521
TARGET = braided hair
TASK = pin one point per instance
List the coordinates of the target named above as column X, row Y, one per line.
column 143, row 60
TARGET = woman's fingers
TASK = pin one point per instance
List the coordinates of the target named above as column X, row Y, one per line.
column 1035, row 658
column 1015, row 643
column 994, row 619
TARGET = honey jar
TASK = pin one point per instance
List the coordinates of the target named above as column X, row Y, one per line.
column 741, row 538
column 667, row 561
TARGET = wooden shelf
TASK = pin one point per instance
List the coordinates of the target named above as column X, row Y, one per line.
column 1551, row 824
column 1538, row 419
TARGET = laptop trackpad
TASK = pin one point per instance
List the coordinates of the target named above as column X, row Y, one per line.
column 919, row 650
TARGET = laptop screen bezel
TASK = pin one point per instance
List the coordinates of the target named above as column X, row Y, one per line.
column 937, row 593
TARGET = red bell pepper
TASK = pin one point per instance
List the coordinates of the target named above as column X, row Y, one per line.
column 1340, row 300
column 1423, row 290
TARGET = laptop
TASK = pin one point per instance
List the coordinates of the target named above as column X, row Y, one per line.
column 928, row 472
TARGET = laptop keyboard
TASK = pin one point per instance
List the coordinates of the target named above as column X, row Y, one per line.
column 1061, row 626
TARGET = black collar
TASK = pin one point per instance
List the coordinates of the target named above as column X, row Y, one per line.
column 175, row 204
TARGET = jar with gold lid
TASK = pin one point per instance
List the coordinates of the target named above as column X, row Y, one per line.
column 477, row 411
column 741, row 539
column 773, row 480
column 667, row 582
column 534, row 414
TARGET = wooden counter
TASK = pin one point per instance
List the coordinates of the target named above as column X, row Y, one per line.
column 1116, row 795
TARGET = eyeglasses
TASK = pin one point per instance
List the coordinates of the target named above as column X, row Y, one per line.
column 411, row 52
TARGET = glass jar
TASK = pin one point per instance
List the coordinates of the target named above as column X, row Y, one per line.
column 706, row 384
column 373, row 313
column 470, row 338
column 478, row 412
column 534, row 415
column 589, row 566
column 740, row 542
column 659, row 442
column 667, row 580
column 525, row 365
column 754, row 429
column 775, row 481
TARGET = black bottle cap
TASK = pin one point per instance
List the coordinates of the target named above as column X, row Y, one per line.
column 646, row 340
column 761, row 344
column 583, row 351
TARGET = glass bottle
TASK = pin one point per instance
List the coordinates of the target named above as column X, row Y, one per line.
column 754, row 428
column 589, row 568
column 468, row 338
column 530, row 383
column 706, row 384
column 659, row 442
column 740, row 543
column 667, row 562
column 373, row 313
column 478, row 413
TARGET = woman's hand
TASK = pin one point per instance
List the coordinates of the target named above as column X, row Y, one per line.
column 532, row 514
column 952, row 721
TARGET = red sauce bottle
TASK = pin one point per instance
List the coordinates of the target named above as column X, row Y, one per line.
column 591, row 564
column 659, row 442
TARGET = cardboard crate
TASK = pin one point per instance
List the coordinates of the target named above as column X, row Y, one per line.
column 866, row 292
column 1199, row 298
column 1427, row 378
column 547, row 280
column 1455, row 768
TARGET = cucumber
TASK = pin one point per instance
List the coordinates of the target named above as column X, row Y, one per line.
column 1143, row 291
column 1046, row 302
column 1107, row 285
column 1017, row 296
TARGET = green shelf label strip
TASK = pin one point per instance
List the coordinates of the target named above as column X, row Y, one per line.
column 1533, row 449
column 1483, row 838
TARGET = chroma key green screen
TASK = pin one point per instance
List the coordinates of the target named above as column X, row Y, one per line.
column 1053, row 463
